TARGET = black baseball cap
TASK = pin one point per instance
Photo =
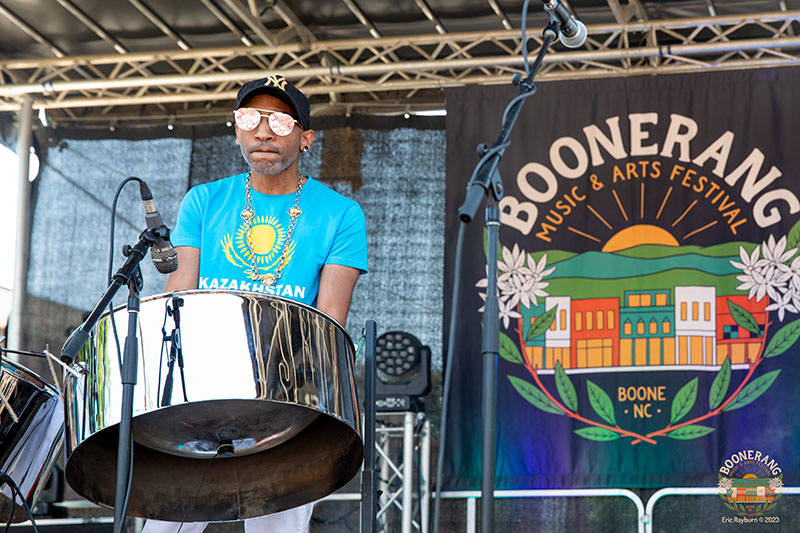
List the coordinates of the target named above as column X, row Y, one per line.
column 279, row 87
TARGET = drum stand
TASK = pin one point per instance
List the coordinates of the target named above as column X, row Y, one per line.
column 175, row 352
column 369, row 498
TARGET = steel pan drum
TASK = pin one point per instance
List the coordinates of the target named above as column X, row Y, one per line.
column 270, row 377
column 29, row 446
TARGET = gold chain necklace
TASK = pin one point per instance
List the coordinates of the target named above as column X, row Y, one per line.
column 247, row 218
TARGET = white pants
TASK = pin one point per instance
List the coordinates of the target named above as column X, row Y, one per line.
column 291, row 521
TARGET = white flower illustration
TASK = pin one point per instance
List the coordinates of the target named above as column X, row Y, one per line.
column 749, row 262
column 756, row 283
column 507, row 312
column 776, row 253
column 517, row 289
column 538, row 269
column 512, row 264
column 783, row 303
column 775, row 483
column 792, row 274
column 539, row 272
column 520, row 282
column 771, row 275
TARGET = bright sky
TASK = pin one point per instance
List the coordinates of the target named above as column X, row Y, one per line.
column 8, row 211
column 8, row 224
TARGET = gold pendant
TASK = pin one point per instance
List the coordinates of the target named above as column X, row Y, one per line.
column 295, row 212
column 247, row 214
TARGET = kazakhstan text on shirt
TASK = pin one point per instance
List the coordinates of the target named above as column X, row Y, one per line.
column 289, row 291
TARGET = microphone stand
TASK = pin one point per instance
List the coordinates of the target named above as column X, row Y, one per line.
column 487, row 183
column 128, row 274
column 129, row 370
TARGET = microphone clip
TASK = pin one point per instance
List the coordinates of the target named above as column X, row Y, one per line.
column 152, row 235
column 572, row 32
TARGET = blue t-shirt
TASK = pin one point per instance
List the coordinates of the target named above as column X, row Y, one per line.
column 331, row 230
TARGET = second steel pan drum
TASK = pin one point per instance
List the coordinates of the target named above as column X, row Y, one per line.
column 30, row 438
column 269, row 420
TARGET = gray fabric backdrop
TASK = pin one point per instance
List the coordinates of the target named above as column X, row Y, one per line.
column 399, row 184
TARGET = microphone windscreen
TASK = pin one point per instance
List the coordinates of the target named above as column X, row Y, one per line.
column 577, row 39
column 165, row 261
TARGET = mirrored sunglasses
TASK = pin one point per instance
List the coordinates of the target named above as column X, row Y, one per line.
column 248, row 118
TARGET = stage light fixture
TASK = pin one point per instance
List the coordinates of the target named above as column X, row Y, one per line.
column 403, row 367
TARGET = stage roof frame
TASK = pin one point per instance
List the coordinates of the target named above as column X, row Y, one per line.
column 96, row 64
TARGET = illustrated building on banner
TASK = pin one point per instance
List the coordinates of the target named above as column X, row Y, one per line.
column 645, row 328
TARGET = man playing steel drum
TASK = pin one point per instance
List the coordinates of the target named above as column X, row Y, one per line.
column 297, row 238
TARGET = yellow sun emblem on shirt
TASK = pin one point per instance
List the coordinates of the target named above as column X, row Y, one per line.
column 268, row 237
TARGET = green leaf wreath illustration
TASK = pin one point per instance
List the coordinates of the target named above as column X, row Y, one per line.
column 753, row 390
column 683, row 401
column 693, row 431
column 566, row 390
column 534, row 395
column 783, row 339
column 793, row 238
column 743, row 317
column 746, row 392
column 720, row 386
column 599, row 434
column 601, row 402
column 541, row 324
column 509, row 350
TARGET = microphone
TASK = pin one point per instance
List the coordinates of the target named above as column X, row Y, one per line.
column 164, row 256
column 572, row 31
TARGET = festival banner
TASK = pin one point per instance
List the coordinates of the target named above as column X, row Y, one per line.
column 649, row 282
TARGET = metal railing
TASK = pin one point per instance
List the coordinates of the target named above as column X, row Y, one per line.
column 687, row 491
column 473, row 495
column 644, row 512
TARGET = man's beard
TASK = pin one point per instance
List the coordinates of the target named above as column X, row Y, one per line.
column 284, row 161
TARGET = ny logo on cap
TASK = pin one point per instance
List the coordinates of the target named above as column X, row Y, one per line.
column 276, row 81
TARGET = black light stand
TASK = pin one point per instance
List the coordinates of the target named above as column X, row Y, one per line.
column 369, row 509
column 487, row 183
column 128, row 274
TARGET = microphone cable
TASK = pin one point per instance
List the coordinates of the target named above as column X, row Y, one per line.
column 111, row 259
column 114, row 327
column 15, row 490
column 199, row 488
column 456, row 297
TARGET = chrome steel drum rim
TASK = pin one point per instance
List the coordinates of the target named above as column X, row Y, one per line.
column 291, row 361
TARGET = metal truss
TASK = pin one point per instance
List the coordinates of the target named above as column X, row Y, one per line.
column 380, row 74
